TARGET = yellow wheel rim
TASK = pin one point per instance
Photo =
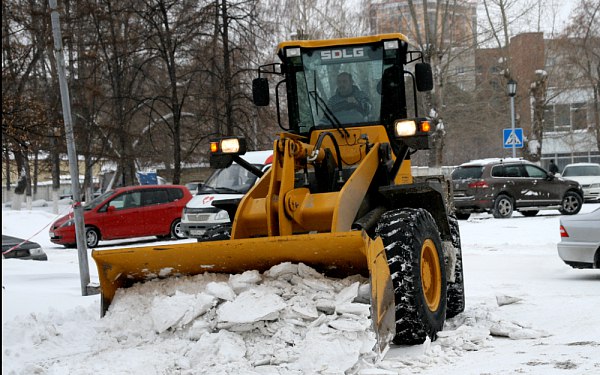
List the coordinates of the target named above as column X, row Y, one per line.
column 431, row 275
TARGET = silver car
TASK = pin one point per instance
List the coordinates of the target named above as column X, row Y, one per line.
column 588, row 175
column 579, row 245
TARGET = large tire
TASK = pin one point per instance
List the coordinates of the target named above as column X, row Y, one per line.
column 92, row 237
column 217, row 233
column 414, row 252
column 463, row 215
column 176, row 232
column 571, row 203
column 456, row 291
column 503, row 207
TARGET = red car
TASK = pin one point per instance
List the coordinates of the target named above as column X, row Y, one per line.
column 134, row 211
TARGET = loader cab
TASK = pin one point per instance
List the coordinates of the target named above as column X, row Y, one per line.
column 382, row 71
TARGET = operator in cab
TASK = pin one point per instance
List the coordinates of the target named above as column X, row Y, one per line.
column 349, row 104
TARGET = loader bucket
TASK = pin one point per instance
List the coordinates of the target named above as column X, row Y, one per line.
column 334, row 254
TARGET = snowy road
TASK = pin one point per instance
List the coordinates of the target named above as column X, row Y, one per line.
column 549, row 325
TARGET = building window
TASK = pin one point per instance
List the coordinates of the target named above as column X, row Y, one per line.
column 578, row 116
column 565, row 117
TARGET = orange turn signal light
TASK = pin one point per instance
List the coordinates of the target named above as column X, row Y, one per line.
column 425, row 126
column 214, row 146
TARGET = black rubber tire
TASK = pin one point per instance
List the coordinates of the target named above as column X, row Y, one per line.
column 217, row 233
column 404, row 233
column 176, row 232
column 503, row 207
column 463, row 216
column 529, row 213
column 92, row 237
column 571, row 203
column 456, row 291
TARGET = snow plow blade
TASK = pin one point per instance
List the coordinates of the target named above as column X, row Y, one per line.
column 334, row 254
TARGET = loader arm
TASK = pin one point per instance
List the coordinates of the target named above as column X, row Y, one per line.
column 275, row 207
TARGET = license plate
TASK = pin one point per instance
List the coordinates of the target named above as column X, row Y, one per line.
column 196, row 232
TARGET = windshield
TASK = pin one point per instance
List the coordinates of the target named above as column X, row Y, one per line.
column 582, row 170
column 96, row 201
column 343, row 85
column 233, row 180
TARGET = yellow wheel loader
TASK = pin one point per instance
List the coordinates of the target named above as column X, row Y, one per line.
column 339, row 196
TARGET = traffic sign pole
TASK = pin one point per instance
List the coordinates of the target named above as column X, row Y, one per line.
column 512, row 120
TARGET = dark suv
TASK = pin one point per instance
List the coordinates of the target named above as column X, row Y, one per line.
column 501, row 186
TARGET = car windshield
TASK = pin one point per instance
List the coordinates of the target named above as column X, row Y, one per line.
column 582, row 170
column 234, row 179
column 96, row 201
column 467, row 173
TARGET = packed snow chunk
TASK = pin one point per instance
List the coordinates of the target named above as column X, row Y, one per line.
column 317, row 285
column 305, row 271
column 283, row 271
column 342, row 353
column 252, row 306
column 350, row 325
column 358, row 309
column 305, row 310
column 507, row 300
column 516, row 331
column 217, row 348
column 178, row 310
column 528, row 334
column 243, row 281
column 347, row 294
column 220, row 290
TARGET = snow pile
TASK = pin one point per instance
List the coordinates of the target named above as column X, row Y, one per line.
column 279, row 320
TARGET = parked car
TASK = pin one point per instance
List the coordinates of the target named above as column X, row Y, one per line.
column 588, row 176
column 18, row 248
column 579, row 245
column 127, row 212
column 229, row 183
column 502, row 186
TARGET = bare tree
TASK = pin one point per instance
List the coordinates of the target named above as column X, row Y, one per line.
column 580, row 44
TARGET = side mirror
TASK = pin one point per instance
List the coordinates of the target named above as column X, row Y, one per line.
column 260, row 92
column 424, row 77
column 111, row 209
column 549, row 176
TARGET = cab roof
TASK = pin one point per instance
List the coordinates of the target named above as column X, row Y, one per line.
column 340, row 41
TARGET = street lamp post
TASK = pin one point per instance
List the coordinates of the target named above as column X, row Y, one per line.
column 512, row 91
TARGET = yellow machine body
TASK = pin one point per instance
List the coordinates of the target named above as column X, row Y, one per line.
column 280, row 220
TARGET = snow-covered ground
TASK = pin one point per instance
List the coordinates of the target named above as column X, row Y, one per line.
column 527, row 312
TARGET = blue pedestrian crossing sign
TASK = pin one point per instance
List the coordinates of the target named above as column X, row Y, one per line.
column 513, row 138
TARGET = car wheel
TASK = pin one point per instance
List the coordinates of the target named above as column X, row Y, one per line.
column 503, row 207
column 176, row 230
column 92, row 237
column 529, row 213
column 462, row 216
column 571, row 203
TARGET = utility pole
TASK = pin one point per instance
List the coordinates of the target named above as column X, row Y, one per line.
column 84, row 271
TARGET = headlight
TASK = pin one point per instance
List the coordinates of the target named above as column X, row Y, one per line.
column 222, row 215
column 230, row 145
column 594, row 186
column 405, row 128
column 67, row 223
